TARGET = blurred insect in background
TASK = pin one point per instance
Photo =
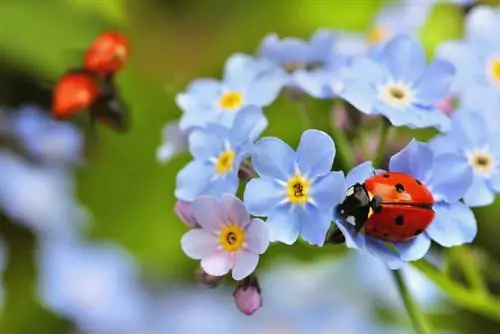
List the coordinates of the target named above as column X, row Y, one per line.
column 393, row 207
column 93, row 87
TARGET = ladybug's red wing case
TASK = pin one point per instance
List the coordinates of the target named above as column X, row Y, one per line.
column 398, row 187
column 107, row 54
column 398, row 223
column 73, row 93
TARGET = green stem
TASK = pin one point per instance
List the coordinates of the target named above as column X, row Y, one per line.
column 472, row 300
column 343, row 146
column 463, row 256
column 382, row 143
column 417, row 317
column 303, row 115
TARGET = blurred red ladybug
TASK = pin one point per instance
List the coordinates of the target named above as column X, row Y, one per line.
column 93, row 87
column 393, row 207
column 107, row 54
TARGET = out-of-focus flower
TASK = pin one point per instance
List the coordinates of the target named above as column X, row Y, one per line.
column 297, row 191
column 218, row 152
column 247, row 81
column 184, row 211
column 477, row 60
column 174, row 142
column 247, row 295
column 447, row 177
column 95, row 285
column 228, row 239
column 470, row 138
column 40, row 197
column 52, row 142
column 400, row 86
column 446, row 106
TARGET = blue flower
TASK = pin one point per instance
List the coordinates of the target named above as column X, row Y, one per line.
column 247, row 81
column 53, row 142
column 296, row 190
column 40, row 198
column 470, row 138
column 218, row 152
column 174, row 142
column 95, row 285
column 477, row 60
column 447, row 177
column 400, row 86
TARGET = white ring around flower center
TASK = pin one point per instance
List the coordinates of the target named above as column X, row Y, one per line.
column 398, row 95
column 482, row 161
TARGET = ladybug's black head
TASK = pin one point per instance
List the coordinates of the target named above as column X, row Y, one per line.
column 109, row 108
column 356, row 206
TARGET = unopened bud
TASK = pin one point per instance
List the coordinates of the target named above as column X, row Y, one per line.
column 445, row 105
column 247, row 295
column 208, row 280
column 184, row 211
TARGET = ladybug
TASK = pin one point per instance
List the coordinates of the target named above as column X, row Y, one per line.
column 107, row 54
column 78, row 90
column 392, row 206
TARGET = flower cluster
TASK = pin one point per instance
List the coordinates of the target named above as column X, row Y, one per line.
column 295, row 193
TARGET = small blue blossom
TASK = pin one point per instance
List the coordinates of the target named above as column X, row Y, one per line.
column 477, row 60
column 95, row 285
column 218, row 152
column 53, row 142
column 400, row 86
column 174, row 142
column 470, row 138
column 448, row 178
column 296, row 191
column 40, row 198
column 247, row 81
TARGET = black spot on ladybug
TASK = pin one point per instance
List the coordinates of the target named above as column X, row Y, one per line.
column 386, row 176
column 386, row 235
column 400, row 220
column 417, row 232
column 418, row 182
column 377, row 208
column 400, row 188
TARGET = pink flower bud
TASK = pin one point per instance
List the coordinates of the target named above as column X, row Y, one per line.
column 208, row 280
column 184, row 212
column 247, row 296
column 445, row 105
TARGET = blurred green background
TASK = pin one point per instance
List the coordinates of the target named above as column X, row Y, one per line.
column 130, row 194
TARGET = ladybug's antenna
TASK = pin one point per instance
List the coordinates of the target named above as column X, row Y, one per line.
column 373, row 172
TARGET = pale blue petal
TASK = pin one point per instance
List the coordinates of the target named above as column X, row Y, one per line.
column 453, row 225
column 262, row 196
column 282, row 51
column 244, row 264
column 314, row 225
column 367, row 70
column 329, row 189
column 415, row 249
column 361, row 95
column 193, row 180
column 404, row 58
column 197, row 118
column 240, row 69
column 315, row 83
column 257, row 237
column 479, row 194
column 415, row 117
column 248, row 124
column 315, row 153
column 494, row 181
column 225, row 185
column 205, row 144
column 359, row 174
column 451, row 177
column 207, row 87
column 435, row 82
column 265, row 89
column 443, row 144
column 495, row 144
column 353, row 239
column 235, row 210
column 469, row 129
column 480, row 23
column 463, row 58
column 274, row 158
column 415, row 159
column 380, row 250
column 283, row 225
column 209, row 213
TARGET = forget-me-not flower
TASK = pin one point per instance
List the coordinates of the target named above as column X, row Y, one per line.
column 53, row 142
column 296, row 191
column 95, row 285
column 469, row 137
column 477, row 60
column 247, row 81
column 229, row 240
column 447, row 177
column 174, row 142
column 218, row 152
column 400, row 86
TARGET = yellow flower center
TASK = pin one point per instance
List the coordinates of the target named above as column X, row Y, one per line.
column 225, row 161
column 232, row 238
column 494, row 70
column 482, row 162
column 292, row 66
column 231, row 100
column 298, row 189
column 377, row 35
